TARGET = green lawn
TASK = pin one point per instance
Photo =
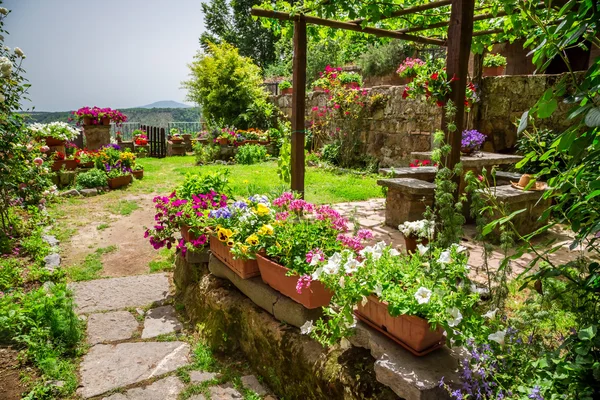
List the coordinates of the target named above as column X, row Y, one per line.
column 162, row 175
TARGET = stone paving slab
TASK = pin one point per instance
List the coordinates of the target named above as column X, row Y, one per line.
column 198, row 377
column 119, row 293
column 110, row 327
column 108, row 367
column 252, row 383
column 224, row 393
column 164, row 389
column 160, row 321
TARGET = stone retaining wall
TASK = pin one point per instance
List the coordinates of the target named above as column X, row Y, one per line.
column 402, row 126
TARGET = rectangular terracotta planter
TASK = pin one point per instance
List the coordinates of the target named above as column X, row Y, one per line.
column 411, row 332
column 275, row 275
column 243, row 268
column 120, row 181
column 70, row 165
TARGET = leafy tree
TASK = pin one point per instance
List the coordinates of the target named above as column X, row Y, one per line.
column 231, row 22
column 228, row 87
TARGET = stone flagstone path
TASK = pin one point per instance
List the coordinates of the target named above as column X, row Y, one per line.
column 124, row 363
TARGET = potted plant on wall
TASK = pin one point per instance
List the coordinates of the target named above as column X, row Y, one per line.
column 118, row 175
column 54, row 133
column 416, row 234
column 351, row 79
column 321, row 84
column 176, row 136
column 409, row 69
column 285, row 87
column 494, row 65
column 225, row 137
column 471, row 141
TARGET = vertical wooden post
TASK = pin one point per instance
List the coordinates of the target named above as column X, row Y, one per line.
column 460, row 35
column 298, row 105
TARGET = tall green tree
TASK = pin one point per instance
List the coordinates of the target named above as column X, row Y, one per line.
column 231, row 22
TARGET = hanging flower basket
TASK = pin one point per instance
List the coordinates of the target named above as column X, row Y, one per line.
column 243, row 268
column 275, row 275
column 409, row 331
column 120, row 181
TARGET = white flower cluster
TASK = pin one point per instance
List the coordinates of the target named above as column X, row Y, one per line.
column 58, row 130
column 421, row 228
column 5, row 66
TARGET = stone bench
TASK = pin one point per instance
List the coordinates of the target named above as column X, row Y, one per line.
column 422, row 173
column 406, row 200
column 505, row 178
column 532, row 201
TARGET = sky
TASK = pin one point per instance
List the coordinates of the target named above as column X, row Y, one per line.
column 106, row 53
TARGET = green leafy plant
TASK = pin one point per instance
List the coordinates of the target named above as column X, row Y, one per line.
column 383, row 59
column 205, row 153
column 350, row 77
column 195, row 184
column 251, row 154
column 285, row 85
column 93, row 178
column 494, row 60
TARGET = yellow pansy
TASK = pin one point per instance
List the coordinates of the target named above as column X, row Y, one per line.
column 261, row 210
column 230, row 242
column 265, row 230
column 252, row 240
column 224, row 234
column 244, row 249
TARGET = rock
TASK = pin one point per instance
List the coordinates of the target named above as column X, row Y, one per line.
column 269, row 397
column 224, row 393
column 164, row 389
column 48, row 285
column 160, row 321
column 197, row 257
column 89, row 192
column 110, row 327
column 69, row 193
column 250, row 382
column 408, row 376
column 108, row 367
column 140, row 311
column 201, row 376
column 119, row 293
column 197, row 397
column 52, row 261
column 51, row 240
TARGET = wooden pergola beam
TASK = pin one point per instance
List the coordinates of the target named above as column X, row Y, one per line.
column 480, row 17
column 259, row 12
column 406, row 11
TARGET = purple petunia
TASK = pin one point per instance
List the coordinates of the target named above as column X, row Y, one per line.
column 472, row 139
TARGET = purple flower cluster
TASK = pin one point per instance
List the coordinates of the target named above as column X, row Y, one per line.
column 112, row 146
column 257, row 198
column 223, row 212
column 472, row 139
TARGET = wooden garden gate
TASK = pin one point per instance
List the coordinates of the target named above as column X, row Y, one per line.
column 157, row 140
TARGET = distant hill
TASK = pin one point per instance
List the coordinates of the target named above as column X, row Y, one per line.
column 147, row 116
column 166, row 104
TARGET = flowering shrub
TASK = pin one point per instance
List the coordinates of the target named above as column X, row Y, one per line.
column 56, row 130
column 432, row 285
column 96, row 114
column 472, row 140
column 417, row 229
column 494, row 60
column 410, row 67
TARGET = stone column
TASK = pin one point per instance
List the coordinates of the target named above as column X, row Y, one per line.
column 96, row 136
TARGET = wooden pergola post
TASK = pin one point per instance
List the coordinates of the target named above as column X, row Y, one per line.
column 460, row 35
column 298, row 105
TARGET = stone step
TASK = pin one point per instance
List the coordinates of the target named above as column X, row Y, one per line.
column 120, row 293
column 164, row 389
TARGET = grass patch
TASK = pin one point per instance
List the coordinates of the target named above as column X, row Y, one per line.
column 203, row 358
column 102, row 227
column 164, row 261
column 91, row 266
column 123, row 207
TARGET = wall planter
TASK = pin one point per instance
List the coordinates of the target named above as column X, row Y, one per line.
column 186, row 234
column 138, row 174
column 243, row 268
column 70, row 165
column 187, row 137
column 318, row 89
column 410, row 242
column 275, row 275
column 50, row 141
column 411, row 332
column 115, row 183
column 89, row 164
column 223, row 141
column 493, row 71
column 287, row 91
column 177, row 140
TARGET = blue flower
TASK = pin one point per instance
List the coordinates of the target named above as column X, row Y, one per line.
column 535, row 394
column 257, row 198
column 240, row 204
column 223, row 212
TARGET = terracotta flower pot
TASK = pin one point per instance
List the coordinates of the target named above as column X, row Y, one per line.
column 50, row 141
column 318, row 89
column 243, row 268
column 186, row 234
column 138, row 174
column 467, row 151
column 406, row 80
column 89, row 164
column 287, row 91
column 120, row 181
column 87, row 120
column 274, row 275
column 493, row 71
column 70, row 165
column 105, row 121
column 177, row 140
column 187, row 137
column 223, row 141
column 411, row 242
column 411, row 332
column 263, row 142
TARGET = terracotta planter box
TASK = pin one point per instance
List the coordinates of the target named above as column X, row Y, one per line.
column 263, row 142
column 411, row 242
column 287, row 91
column 105, row 121
column 493, row 71
column 223, row 141
column 138, row 174
column 411, row 332
column 186, row 234
column 406, row 81
column 50, row 141
column 274, row 275
column 243, row 268
column 115, row 183
column 318, row 89
column 70, row 165
column 187, row 137
column 89, row 164
column 177, row 140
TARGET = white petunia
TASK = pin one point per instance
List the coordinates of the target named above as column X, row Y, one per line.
column 306, row 328
column 444, row 257
column 394, row 253
column 351, row 266
column 317, row 274
column 498, row 337
column 455, row 316
column 333, row 264
column 314, row 261
column 491, row 314
column 342, row 282
column 378, row 289
column 458, row 248
column 422, row 249
column 364, row 301
column 365, row 251
column 423, row 295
